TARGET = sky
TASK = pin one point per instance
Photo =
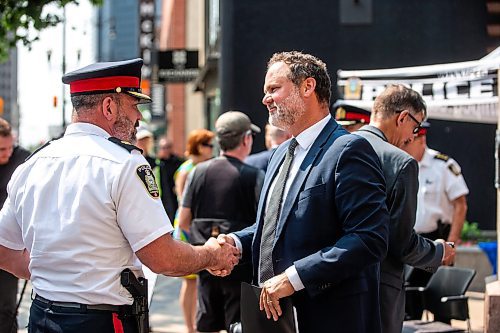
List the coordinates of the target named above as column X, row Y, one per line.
column 39, row 79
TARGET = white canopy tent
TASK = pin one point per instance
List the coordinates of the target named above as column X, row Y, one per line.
column 462, row 91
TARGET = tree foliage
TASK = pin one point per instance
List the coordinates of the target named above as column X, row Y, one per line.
column 18, row 16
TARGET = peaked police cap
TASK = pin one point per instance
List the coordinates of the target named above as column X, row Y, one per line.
column 108, row 77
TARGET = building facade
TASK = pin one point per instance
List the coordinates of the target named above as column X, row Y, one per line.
column 8, row 90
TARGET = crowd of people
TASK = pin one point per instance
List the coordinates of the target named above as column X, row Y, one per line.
column 327, row 216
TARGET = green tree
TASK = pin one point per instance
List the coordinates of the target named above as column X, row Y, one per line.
column 18, row 16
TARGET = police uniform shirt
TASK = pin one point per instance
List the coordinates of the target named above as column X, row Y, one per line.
column 82, row 206
column 440, row 182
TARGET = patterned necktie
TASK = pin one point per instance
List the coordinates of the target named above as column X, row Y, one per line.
column 272, row 217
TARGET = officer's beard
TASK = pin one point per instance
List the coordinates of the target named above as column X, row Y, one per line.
column 124, row 128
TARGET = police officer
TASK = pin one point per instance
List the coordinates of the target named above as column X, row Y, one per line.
column 349, row 116
column 85, row 207
column 442, row 204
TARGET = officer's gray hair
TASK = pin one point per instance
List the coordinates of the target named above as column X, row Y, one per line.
column 84, row 103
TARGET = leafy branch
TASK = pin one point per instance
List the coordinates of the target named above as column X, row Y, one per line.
column 17, row 17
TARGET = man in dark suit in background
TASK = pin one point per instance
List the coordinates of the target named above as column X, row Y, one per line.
column 397, row 115
column 274, row 137
column 322, row 222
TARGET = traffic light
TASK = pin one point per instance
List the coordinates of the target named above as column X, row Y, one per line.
column 54, row 101
column 1, row 106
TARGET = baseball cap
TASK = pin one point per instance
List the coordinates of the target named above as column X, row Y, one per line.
column 234, row 123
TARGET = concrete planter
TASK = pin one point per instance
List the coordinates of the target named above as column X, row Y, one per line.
column 473, row 257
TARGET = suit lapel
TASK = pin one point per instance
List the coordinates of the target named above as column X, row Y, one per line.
column 304, row 169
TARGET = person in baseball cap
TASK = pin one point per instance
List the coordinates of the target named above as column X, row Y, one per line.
column 108, row 77
column 234, row 123
column 349, row 116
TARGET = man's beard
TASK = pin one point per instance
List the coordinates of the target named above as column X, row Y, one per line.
column 124, row 129
column 288, row 111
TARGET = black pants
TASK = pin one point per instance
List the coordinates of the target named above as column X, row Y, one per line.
column 218, row 302
column 8, row 302
column 45, row 318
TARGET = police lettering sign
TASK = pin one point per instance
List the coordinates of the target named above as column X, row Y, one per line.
column 465, row 91
column 178, row 65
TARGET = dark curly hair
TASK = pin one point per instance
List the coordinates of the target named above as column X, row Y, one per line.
column 303, row 66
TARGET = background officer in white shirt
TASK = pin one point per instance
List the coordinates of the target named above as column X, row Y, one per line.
column 442, row 203
column 86, row 207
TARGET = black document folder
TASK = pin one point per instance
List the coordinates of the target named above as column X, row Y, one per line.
column 255, row 321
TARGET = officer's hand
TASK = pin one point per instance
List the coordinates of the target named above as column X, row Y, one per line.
column 224, row 257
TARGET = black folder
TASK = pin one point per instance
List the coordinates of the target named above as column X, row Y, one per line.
column 253, row 320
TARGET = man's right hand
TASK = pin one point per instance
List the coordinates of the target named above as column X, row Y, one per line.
column 224, row 256
column 449, row 253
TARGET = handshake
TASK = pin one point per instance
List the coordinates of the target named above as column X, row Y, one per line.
column 223, row 255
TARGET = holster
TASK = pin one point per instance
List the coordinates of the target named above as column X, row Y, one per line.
column 138, row 288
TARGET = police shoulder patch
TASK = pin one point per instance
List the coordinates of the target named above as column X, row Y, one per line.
column 442, row 157
column 124, row 144
column 147, row 178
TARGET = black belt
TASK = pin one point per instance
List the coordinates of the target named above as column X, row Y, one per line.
column 81, row 307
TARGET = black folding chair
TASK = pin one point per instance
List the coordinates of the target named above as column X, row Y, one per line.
column 444, row 296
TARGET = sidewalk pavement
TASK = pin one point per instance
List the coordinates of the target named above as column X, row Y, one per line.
column 166, row 316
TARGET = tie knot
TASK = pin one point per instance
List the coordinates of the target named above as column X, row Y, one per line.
column 291, row 147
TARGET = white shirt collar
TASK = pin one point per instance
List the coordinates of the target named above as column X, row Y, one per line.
column 426, row 159
column 309, row 135
column 86, row 128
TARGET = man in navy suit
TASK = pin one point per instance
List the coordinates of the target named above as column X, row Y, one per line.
column 274, row 137
column 332, row 226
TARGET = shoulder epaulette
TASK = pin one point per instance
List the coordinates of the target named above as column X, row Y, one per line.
column 127, row 145
column 442, row 157
column 38, row 149
column 456, row 171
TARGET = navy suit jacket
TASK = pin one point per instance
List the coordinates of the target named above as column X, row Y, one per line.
column 333, row 228
column 260, row 160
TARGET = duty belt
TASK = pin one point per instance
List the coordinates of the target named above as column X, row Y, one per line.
column 79, row 306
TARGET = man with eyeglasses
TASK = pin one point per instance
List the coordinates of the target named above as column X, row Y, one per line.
column 221, row 197
column 397, row 115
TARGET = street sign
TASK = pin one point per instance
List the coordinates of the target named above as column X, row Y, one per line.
column 179, row 65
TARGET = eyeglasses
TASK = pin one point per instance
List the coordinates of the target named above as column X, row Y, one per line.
column 207, row 145
column 419, row 123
